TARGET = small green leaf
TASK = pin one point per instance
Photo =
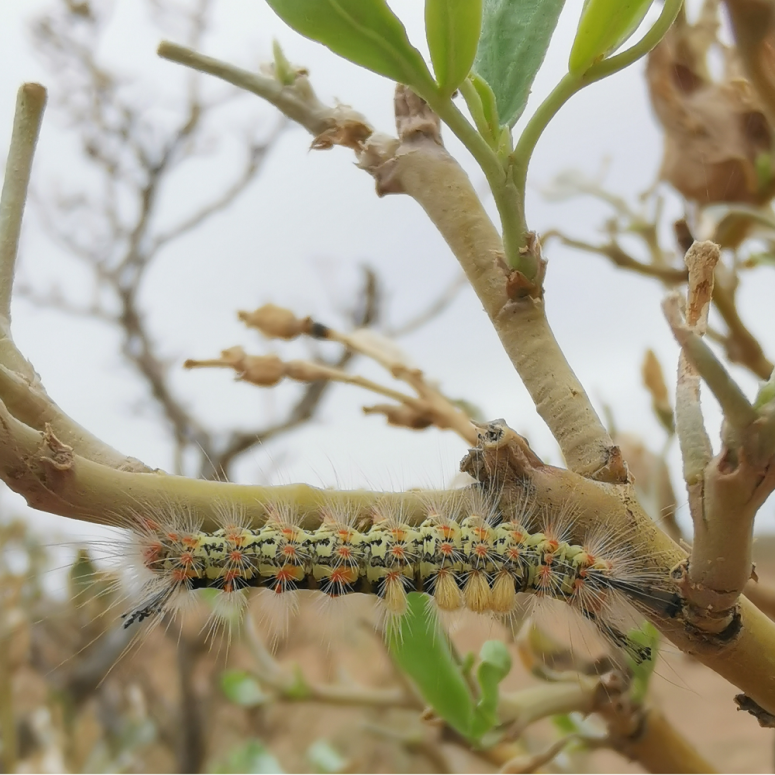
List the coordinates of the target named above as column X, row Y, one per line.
column 565, row 724
column 421, row 649
column 766, row 394
column 647, row 636
column 252, row 757
column 299, row 689
column 452, row 29
column 603, row 27
column 494, row 666
column 242, row 689
column 489, row 103
column 512, row 46
column 366, row 32
column 83, row 572
column 325, row 758
column 283, row 70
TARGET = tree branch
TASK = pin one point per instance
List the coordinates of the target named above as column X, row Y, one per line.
column 30, row 104
column 418, row 165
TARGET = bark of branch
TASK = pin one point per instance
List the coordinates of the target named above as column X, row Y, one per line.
column 53, row 477
column 30, row 104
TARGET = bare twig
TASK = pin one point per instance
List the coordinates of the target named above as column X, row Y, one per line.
column 432, row 311
column 271, row 675
column 619, row 257
column 740, row 345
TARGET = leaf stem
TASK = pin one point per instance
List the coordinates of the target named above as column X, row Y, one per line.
column 566, row 88
column 507, row 197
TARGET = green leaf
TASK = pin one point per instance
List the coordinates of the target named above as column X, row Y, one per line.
column 647, row 635
column 512, row 46
column 366, row 32
column 253, row 756
column 489, row 103
column 283, row 70
column 494, row 666
column 242, row 689
column 421, row 650
column 325, row 758
column 603, row 27
column 766, row 394
column 452, row 29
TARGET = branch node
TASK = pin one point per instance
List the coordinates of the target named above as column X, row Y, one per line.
column 54, row 452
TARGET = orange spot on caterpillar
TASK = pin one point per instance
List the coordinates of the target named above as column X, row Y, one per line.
column 344, row 575
column 544, row 576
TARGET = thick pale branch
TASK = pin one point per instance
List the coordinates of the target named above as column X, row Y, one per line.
column 19, row 384
column 659, row 747
column 736, row 407
column 52, row 477
column 726, row 492
column 30, row 103
column 422, row 168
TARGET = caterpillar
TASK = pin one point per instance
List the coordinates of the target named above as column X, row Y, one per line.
column 465, row 554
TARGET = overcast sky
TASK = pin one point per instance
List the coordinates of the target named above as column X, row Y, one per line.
column 297, row 238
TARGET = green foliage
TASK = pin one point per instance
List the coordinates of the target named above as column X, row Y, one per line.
column 494, row 666
column 647, row 635
column 766, row 394
column 421, row 650
column 252, row 756
column 515, row 37
column 603, row 27
column 481, row 102
column 283, row 70
column 325, row 758
column 366, row 32
column 242, row 689
column 452, row 29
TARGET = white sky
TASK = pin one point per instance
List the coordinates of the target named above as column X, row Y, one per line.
column 297, row 237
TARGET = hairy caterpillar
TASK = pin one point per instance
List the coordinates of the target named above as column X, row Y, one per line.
column 465, row 553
